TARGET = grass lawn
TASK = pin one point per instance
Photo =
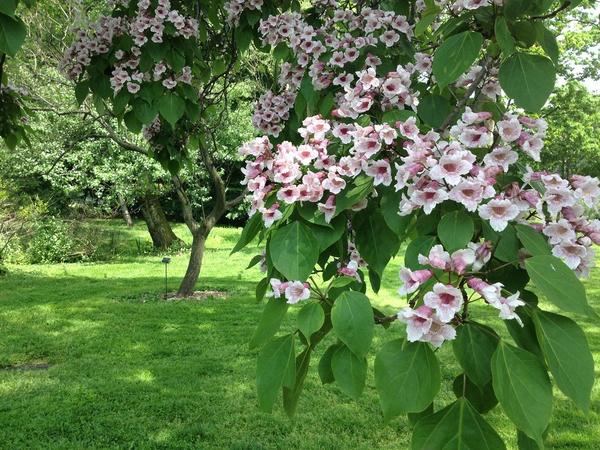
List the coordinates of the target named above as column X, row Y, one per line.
column 91, row 357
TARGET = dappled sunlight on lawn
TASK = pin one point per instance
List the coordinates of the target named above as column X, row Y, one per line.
column 128, row 369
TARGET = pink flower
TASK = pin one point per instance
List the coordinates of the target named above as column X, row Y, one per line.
column 507, row 306
column 502, row 157
column 381, row 172
column 499, row 213
column 559, row 231
column 451, row 168
column 483, row 254
column 418, row 321
column 439, row 332
column 470, row 194
column 438, row 258
column 328, row 208
column 461, row 259
column 296, row 291
column 475, row 137
column 133, row 88
column 445, row 299
column 277, row 288
column 571, row 253
column 509, row 129
column 271, row 215
column 557, row 199
column 334, row 183
column 429, row 198
column 411, row 281
column 288, row 194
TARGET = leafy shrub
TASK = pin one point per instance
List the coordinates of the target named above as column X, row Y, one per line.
column 53, row 241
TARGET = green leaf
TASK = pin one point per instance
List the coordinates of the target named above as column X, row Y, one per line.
column 413, row 418
column 349, row 371
column 308, row 92
column 294, row 251
column 547, row 41
column 8, row 7
column 524, row 336
column 473, row 347
column 524, row 442
column 523, row 388
column 419, row 246
column 558, row 283
column 482, row 399
column 434, row 109
column 528, row 79
column 353, row 193
column 291, row 394
column 132, row 123
column 82, row 90
column 325, row 371
column 275, row 368
column 568, row 355
column 171, row 107
column 352, row 320
column 251, row 229
column 533, row 241
column 326, row 236
column 270, row 321
column 515, row 8
column 455, row 230
column 143, row 111
column 455, row 56
column 375, row 242
column 12, row 34
column 310, row 319
column 407, row 377
column 427, row 18
column 458, row 426
column 389, row 208
column 503, row 37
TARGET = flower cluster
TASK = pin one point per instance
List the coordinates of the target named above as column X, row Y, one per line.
column 292, row 291
column 272, row 111
column 433, row 320
column 235, row 8
column 149, row 24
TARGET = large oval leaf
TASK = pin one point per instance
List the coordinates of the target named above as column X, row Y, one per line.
column 407, row 377
column 294, row 251
column 353, row 322
column 528, row 79
column 458, row 426
column 558, row 283
column 269, row 323
column 310, row 319
column 12, row 34
column 455, row 230
column 276, row 367
column 473, row 347
column 349, row 371
column 569, row 358
column 455, row 56
column 375, row 242
column 523, row 388
column 171, row 106
column 533, row 241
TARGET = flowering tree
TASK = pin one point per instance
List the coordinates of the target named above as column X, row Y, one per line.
column 164, row 69
column 414, row 121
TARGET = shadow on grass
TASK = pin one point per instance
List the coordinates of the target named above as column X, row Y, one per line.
column 129, row 370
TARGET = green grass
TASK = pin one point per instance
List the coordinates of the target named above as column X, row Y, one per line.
column 129, row 370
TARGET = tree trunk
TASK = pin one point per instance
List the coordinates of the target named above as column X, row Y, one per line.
column 188, row 284
column 158, row 226
column 124, row 210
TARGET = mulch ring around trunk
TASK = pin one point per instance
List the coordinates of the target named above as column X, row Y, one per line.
column 198, row 295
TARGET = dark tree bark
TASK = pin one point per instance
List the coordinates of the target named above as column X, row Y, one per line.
column 158, row 226
column 124, row 210
column 201, row 230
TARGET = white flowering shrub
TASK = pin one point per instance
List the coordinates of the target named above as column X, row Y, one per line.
column 415, row 122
